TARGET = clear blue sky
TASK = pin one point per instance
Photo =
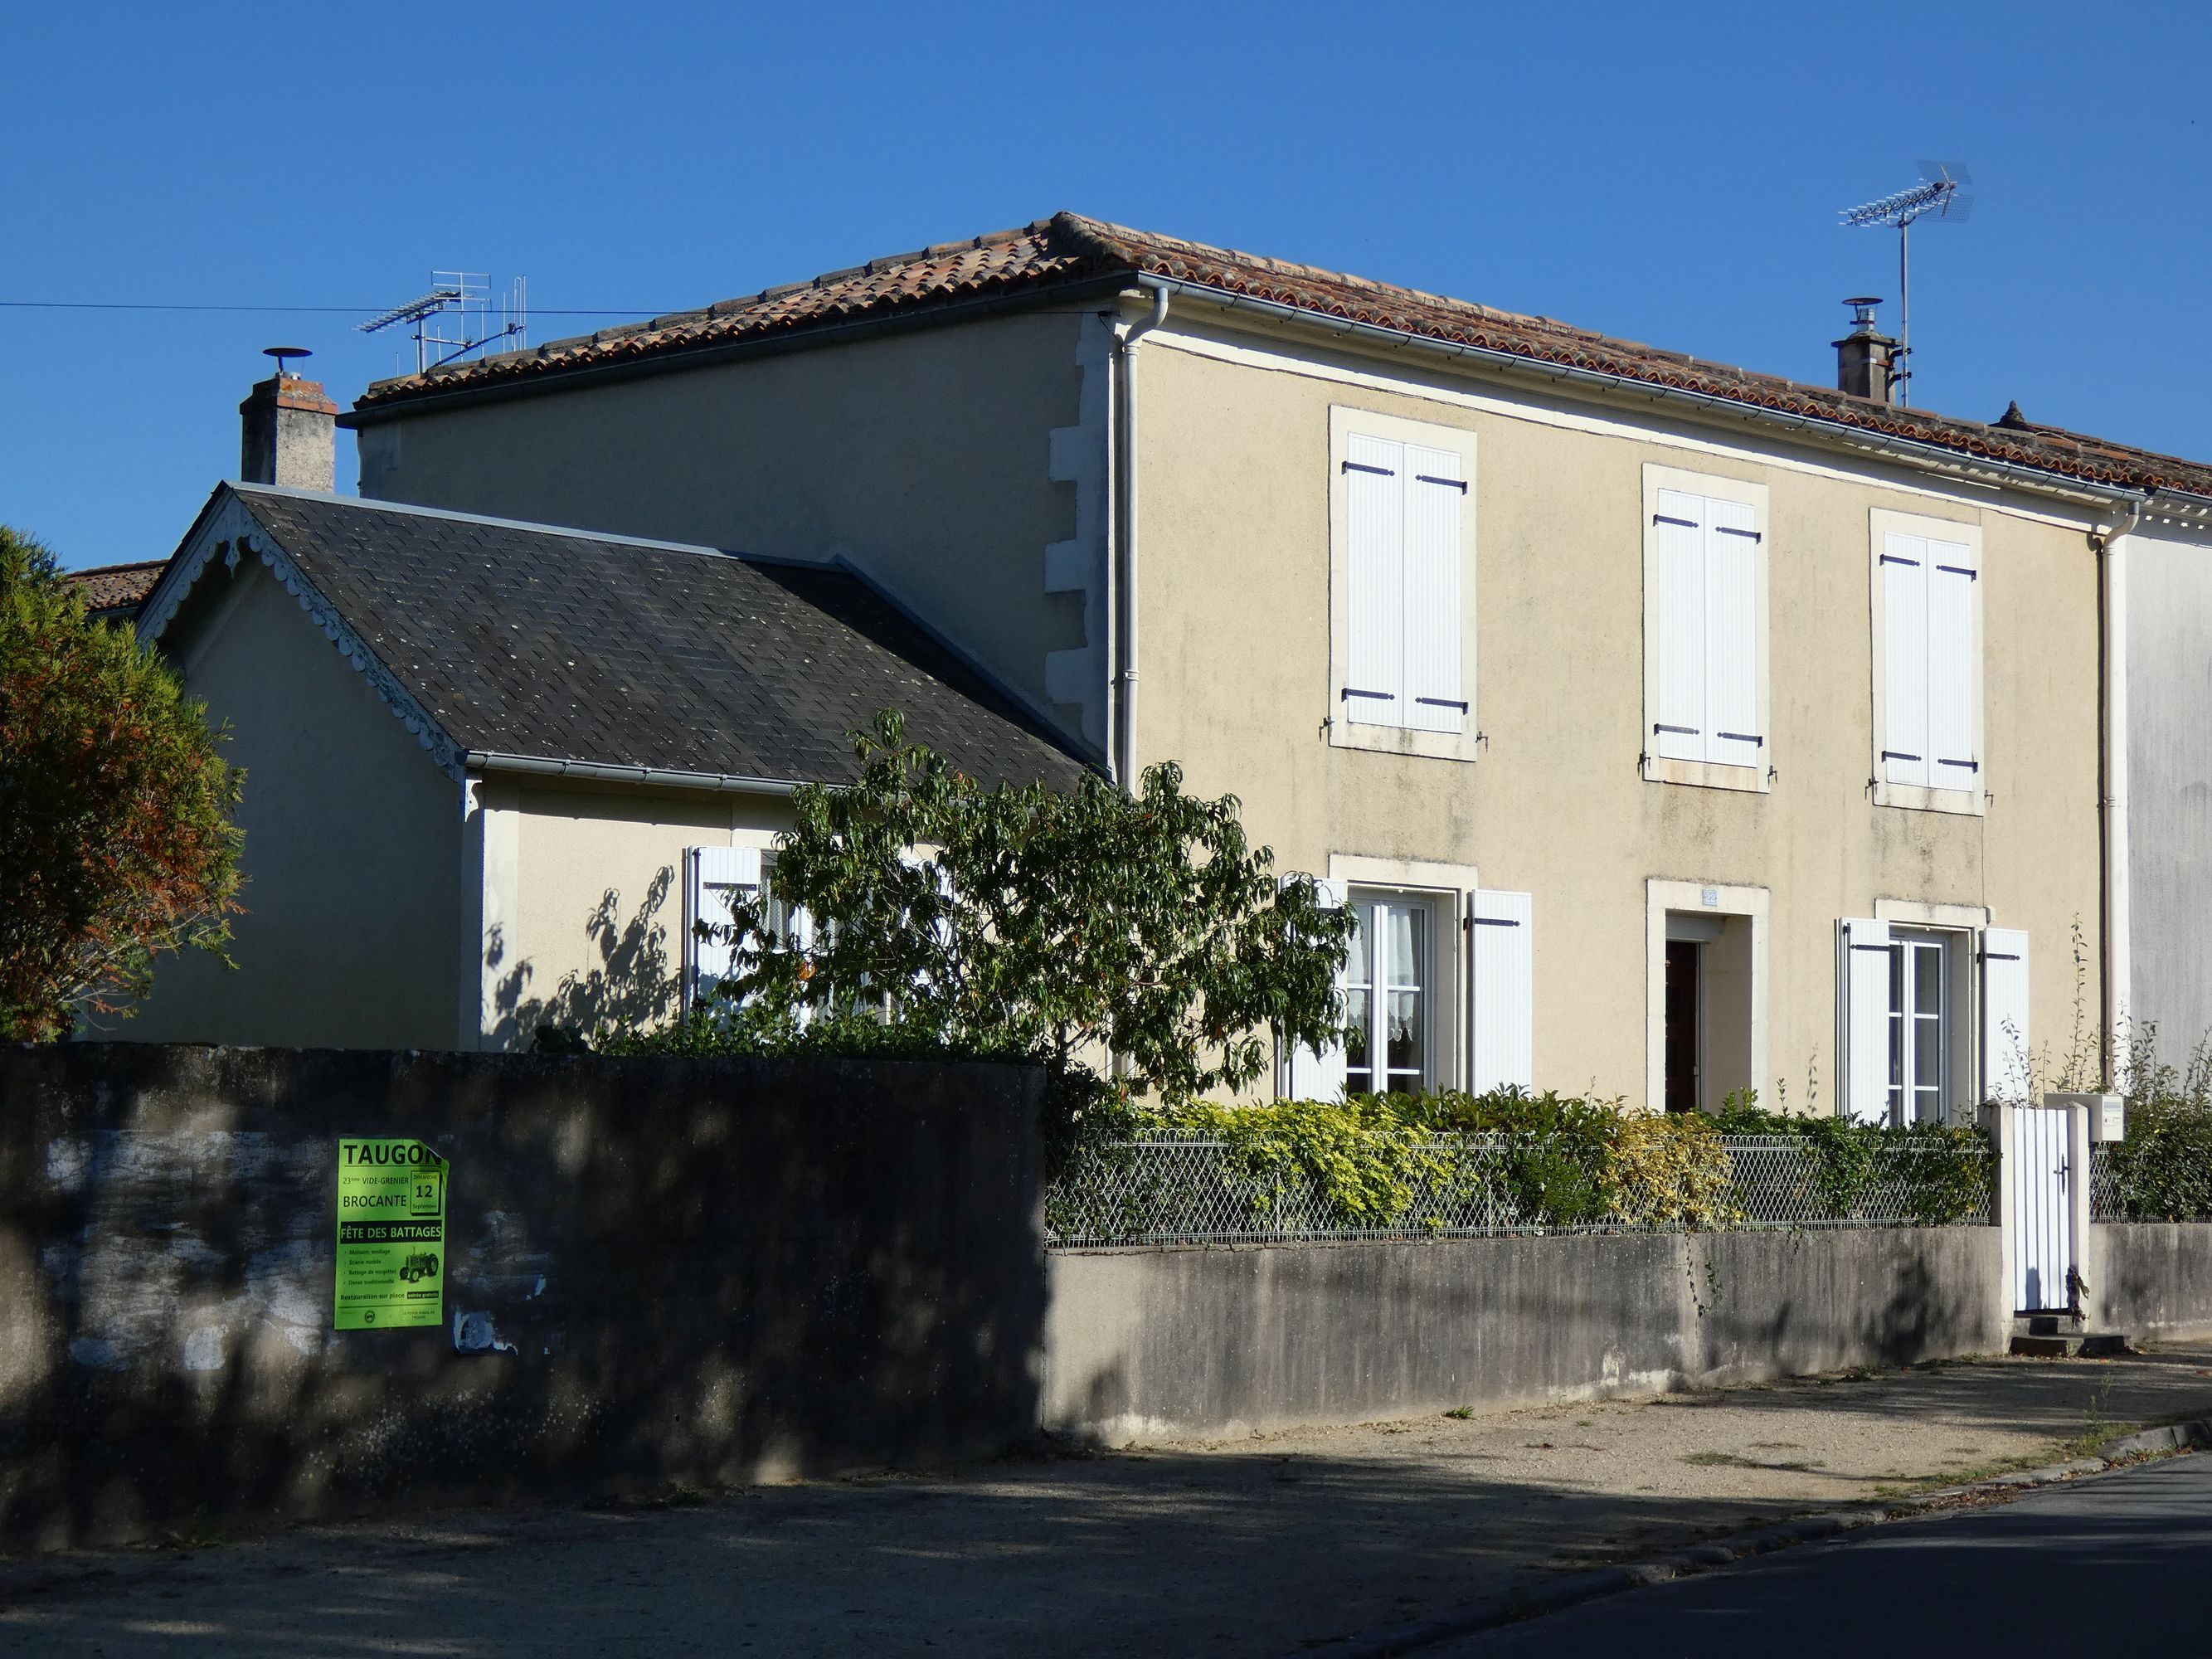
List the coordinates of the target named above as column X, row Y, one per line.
column 1667, row 173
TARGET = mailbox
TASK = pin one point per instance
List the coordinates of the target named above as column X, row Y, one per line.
column 2108, row 1114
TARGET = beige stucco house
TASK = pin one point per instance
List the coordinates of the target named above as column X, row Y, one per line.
column 1674, row 729
column 496, row 771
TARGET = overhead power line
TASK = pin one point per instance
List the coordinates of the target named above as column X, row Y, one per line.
column 347, row 311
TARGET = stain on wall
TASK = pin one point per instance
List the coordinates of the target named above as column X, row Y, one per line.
column 660, row 1273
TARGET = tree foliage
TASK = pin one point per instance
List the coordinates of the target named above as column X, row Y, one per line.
column 115, row 834
column 1069, row 924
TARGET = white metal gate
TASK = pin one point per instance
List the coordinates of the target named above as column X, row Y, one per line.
column 2042, row 1234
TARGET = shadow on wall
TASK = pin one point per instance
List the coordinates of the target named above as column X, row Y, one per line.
column 632, row 985
column 1144, row 1344
column 699, row 1273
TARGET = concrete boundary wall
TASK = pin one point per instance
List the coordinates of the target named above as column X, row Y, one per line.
column 2151, row 1279
column 698, row 1271
column 1156, row 1344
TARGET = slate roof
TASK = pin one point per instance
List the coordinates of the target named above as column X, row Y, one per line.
column 1068, row 249
column 114, row 590
column 527, row 639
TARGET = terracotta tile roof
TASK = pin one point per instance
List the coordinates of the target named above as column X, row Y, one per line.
column 1039, row 255
column 115, row 590
column 1068, row 248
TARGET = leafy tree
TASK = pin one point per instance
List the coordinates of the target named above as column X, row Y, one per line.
column 116, row 838
column 1084, row 922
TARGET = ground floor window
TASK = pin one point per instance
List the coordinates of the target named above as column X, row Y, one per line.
column 1389, row 979
column 1923, row 1021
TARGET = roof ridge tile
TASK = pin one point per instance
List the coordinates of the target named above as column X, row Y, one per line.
column 1070, row 246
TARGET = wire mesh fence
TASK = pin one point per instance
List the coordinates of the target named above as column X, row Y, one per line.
column 2133, row 1182
column 1166, row 1188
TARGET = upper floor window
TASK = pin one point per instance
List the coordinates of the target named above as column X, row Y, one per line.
column 1705, row 630
column 1928, row 662
column 1401, row 585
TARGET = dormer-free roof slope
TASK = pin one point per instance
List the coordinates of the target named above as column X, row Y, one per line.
column 533, row 642
column 1069, row 251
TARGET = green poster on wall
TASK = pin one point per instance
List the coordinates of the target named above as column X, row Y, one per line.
column 392, row 1235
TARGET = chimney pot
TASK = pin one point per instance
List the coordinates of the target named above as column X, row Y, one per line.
column 1865, row 358
column 289, row 430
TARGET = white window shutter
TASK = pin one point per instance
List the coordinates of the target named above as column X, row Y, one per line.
column 1904, row 753
column 1679, row 722
column 1501, row 971
column 714, row 877
column 1953, row 763
column 915, row 860
column 1375, row 673
column 1862, row 982
column 1436, row 496
column 1732, row 736
column 1308, row 1075
column 2005, row 1068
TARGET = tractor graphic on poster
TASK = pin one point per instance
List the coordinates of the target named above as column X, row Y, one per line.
column 422, row 1264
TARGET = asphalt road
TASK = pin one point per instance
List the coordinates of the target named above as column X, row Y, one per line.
column 2118, row 1561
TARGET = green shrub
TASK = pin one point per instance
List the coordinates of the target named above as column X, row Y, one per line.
column 1381, row 1160
column 2163, row 1171
column 1944, row 1177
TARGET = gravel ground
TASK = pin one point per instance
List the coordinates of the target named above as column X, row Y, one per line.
column 1261, row 1547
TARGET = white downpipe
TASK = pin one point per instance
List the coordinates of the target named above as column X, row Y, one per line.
column 2110, row 545
column 1123, row 577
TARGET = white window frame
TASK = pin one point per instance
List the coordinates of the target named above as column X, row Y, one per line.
column 1883, row 522
column 1955, row 1086
column 1438, row 928
column 1707, row 775
column 1962, row 924
column 1446, row 888
column 1344, row 421
column 1712, row 899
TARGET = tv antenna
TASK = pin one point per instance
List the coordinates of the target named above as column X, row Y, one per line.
column 1940, row 193
column 466, row 297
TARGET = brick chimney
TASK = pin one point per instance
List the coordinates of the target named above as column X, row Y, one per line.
column 288, row 430
column 1865, row 357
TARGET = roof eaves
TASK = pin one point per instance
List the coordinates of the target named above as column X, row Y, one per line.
column 205, row 545
column 1819, row 422
column 489, row 760
column 640, row 348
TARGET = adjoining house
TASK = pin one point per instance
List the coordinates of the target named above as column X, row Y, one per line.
column 1674, row 729
column 496, row 770
column 113, row 592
